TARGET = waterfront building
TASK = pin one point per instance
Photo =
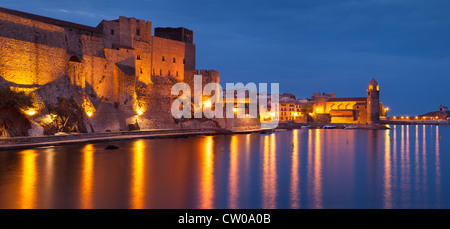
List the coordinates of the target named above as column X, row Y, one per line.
column 118, row 75
column 327, row 108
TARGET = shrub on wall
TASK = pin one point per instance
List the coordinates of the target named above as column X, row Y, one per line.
column 12, row 121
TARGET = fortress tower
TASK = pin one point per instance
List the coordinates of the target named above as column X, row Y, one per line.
column 373, row 102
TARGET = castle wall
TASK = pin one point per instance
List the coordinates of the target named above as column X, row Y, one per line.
column 167, row 59
column 116, row 70
column 189, row 56
column 30, row 52
column 143, row 63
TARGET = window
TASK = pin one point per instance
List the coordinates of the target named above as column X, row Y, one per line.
column 184, row 61
column 112, row 31
column 169, row 72
column 138, row 32
column 154, row 72
column 174, row 60
column 138, row 57
column 177, row 73
column 140, row 70
column 160, row 72
column 163, row 59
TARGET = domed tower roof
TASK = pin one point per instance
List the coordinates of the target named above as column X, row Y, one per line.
column 373, row 82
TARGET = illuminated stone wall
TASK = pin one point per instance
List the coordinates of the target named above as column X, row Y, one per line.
column 26, row 54
column 115, row 71
column 168, row 56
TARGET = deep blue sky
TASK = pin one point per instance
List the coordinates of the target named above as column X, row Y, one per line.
column 306, row 46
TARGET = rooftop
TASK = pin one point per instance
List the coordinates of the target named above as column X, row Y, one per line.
column 358, row 99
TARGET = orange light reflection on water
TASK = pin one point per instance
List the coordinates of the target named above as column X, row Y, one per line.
column 438, row 169
column 387, row 172
column 295, row 179
column 233, row 176
column 87, row 177
column 269, row 173
column 28, row 188
column 138, row 179
column 318, row 171
column 207, row 174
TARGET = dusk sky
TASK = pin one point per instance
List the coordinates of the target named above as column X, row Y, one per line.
column 306, row 46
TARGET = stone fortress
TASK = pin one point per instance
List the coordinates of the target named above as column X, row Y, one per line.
column 113, row 75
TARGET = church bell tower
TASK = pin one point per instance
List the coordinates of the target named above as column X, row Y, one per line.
column 373, row 102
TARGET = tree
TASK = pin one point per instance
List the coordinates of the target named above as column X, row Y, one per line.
column 15, row 100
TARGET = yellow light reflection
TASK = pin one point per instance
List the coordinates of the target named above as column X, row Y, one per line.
column 87, row 176
column 407, row 171
column 138, row 180
column 438, row 169
column 317, row 172
column 394, row 153
column 233, row 177
column 424, row 159
column 207, row 178
column 295, row 178
column 269, row 173
column 49, row 177
column 28, row 188
column 387, row 172
column 310, row 165
column 416, row 160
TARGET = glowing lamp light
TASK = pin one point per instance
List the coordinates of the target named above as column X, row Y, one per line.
column 295, row 114
column 139, row 111
column 89, row 113
column 30, row 112
column 234, row 109
column 207, row 104
column 272, row 114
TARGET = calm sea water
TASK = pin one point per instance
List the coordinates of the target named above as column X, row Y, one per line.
column 405, row 167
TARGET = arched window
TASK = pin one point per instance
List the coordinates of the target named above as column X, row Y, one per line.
column 75, row 59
